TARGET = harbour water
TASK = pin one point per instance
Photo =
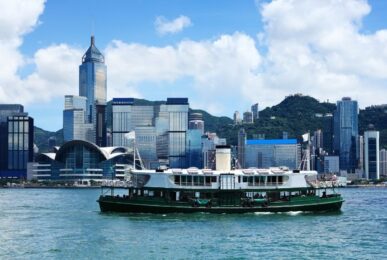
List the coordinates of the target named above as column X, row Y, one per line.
column 67, row 224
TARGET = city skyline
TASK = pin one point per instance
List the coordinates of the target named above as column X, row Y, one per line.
column 250, row 51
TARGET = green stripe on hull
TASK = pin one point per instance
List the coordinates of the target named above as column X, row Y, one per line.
column 111, row 204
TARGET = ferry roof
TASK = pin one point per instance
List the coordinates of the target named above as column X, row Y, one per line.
column 246, row 172
column 271, row 141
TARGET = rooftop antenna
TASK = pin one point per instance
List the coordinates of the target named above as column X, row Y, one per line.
column 92, row 31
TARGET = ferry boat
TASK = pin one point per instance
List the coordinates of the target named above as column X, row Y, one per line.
column 219, row 191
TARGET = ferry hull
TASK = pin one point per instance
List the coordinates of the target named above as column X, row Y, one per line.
column 113, row 204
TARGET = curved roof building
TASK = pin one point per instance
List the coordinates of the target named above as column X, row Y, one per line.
column 78, row 159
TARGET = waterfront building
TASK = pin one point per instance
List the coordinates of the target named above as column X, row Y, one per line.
column 92, row 85
column 255, row 112
column 371, row 155
column 272, row 153
column 237, row 118
column 80, row 160
column 247, row 117
column 346, row 133
column 328, row 133
column 160, row 127
column 16, row 141
column 383, row 163
column 331, row 164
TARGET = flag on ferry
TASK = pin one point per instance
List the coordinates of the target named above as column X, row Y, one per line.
column 305, row 137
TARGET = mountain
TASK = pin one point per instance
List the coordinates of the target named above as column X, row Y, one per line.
column 296, row 114
column 41, row 138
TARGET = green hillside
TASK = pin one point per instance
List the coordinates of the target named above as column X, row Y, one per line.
column 296, row 114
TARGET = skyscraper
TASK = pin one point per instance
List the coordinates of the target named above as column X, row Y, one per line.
column 241, row 148
column 16, row 141
column 237, row 118
column 254, row 110
column 371, row 155
column 383, row 163
column 247, row 117
column 346, row 133
column 92, row 85
column 328, row 133
column 161, row 129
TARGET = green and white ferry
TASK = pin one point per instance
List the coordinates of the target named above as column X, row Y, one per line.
column 221, row 191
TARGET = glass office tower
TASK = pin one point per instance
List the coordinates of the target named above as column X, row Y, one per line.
column 16, row 141
column 272, row 153
column 346, row 133
column 177, row 133
column 161, row 129
column 92, row 85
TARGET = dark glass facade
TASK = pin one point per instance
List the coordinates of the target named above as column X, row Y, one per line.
column 92, row 85
column 372, row 156
column 346, row 133
column 16, row 141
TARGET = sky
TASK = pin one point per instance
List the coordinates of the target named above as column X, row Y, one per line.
column 223, row 55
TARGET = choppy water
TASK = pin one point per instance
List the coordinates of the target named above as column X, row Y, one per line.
column 67, row 224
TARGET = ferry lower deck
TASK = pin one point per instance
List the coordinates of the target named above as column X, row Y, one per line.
column 222, row 201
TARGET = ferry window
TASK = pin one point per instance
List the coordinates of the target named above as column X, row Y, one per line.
column 208, row 180
column 183, row 180
column 196, row 180
column 244, row 179
column 201, row 181
column 251, row 180
column 177, row 179
column 189, row 180
column 280, row 179
column 271, row 179
column 262, row 180
column 239, row 179
column 213, row 179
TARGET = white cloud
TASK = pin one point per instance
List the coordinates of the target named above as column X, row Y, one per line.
column 221, row 67
column 164, row 26
column 56, row 67
column 317, row 48
column 311, row 47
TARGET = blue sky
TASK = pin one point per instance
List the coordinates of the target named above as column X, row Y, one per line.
column 222, row 55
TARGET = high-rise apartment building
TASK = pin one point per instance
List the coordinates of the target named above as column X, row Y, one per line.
column 247, row 117
column 346, row 133
column 92, row 85
column 383, row 163
column 255, row 112
column 237, row 118
column 371, row 155
column 16, row 141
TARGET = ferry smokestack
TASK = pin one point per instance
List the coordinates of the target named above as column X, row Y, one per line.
column 223, row 158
